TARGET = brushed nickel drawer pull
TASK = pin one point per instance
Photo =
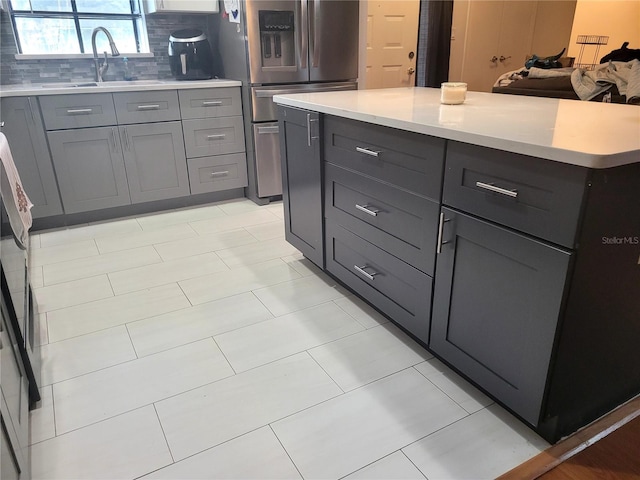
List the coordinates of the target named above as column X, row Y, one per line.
column 220, row 174
column 361, row 271
column 492, row 188
column 366, row 151
column 212, row 103
column 367, row 209
column 74, row 111
column 219, row 136
column 148, row 107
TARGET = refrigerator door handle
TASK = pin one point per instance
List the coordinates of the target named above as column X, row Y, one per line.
column 315, row 24
column 303, row 40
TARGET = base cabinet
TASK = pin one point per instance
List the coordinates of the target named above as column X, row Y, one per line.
column 302, row 181
column 497, row 302
column 155, row 161
column 22, row 125
column 90, row 166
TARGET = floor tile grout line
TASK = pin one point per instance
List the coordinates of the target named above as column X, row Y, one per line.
column 133, row 345
column 164, row 434
column 368, row 328
column 413, row 463
column 326, row 373
column 285, row 451
column 224, row 355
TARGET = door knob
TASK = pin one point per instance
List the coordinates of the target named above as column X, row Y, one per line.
column 494, row 59
column 503, row 58
column 411, row 71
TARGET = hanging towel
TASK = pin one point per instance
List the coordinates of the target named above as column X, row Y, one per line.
column 16, row 201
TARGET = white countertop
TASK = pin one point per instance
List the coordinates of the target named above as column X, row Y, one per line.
column 590, row 134
column 108, row 87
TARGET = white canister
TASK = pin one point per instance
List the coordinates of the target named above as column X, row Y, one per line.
column 453, row 93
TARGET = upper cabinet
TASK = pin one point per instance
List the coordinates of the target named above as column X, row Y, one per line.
column 189, row 6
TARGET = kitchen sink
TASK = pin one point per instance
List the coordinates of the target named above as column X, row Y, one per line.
column 115, row 83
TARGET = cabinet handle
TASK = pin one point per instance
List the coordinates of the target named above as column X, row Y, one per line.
column 366, row 151
column 113, row 137
column 492, row 188
column 218, row 136
column 367, row 209
column 309, row 137
column 220, row 174
column 361, row 271
column 33, row 120
column 212, row 103
column 126, row 137
column 148, row 107
column 439, row 242
column 75, row 111
column 1, row 124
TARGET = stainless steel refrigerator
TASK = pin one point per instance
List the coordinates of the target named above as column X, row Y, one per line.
column 279, row 47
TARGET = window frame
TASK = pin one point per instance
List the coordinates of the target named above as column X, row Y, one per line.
column 136, row 17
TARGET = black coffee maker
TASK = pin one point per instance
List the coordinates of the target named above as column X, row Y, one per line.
column 190, row 55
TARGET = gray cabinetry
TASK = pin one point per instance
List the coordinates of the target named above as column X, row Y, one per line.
column 155, row 161
column 214, row 139
column 78, row 110
column 497, row 302
column 90, row 168
column 382, row 192
column 302, row 181
column 27, row 139
column 146, row 107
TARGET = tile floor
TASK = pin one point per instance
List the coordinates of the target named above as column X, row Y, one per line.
column 197, row 343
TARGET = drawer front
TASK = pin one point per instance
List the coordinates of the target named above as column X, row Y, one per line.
column 399, row 222
column 394, row 287
column 539, row 197
column 213, row 136
column 222, row 172
column 146, row 107
column 407, row 160
column 61, row 112
column 210, row 102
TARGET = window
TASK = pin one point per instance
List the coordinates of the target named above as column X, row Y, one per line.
column 65, row 26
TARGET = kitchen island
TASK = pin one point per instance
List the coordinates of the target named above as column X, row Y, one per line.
column 503, row 234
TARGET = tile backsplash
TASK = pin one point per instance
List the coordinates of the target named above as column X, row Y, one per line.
column 159, row 27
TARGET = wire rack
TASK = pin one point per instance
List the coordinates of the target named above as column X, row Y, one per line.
column 583, row 41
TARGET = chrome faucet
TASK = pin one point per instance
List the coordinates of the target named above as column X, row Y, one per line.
column 102, row 69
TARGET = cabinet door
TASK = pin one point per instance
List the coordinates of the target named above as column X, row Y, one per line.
column 155, row 161
column 497, row 301
column 90, row 168
column 25, row 133
column 302, row 181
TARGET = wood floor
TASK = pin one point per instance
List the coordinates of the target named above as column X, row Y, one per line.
column 607, row 449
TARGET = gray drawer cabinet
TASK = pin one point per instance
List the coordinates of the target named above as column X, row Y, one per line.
column 393, row 286
column 497, row 303
column 27, row 139
column 155, row 161
column 213, row 136
column 90, row 167
column 146, row 107
column 61, row 112
column 302, row 181
column 412, row 161
column 210, row 102
column 540, row 198
column 214, row 139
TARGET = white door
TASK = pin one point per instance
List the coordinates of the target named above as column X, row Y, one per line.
column 389, row 55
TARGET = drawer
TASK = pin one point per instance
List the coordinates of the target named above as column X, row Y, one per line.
column 78, row 110
column 401, row 223
column 392, row 286
column 407, row 160
column 539, row 197
column 210, row 102
column 222, row 172
column 213, row 136
column 146, row 107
